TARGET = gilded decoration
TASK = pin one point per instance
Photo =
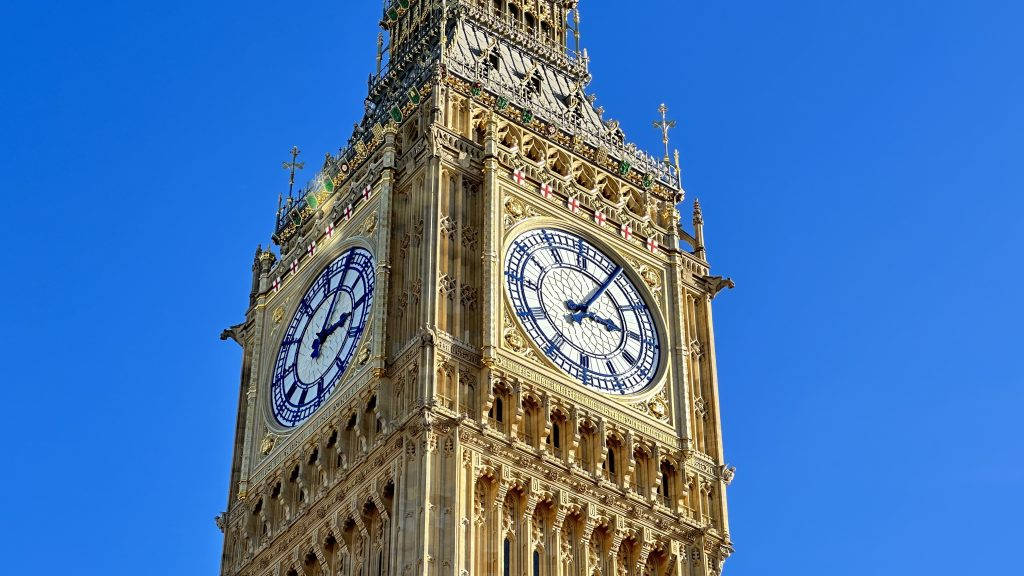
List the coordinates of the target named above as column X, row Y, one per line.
column 267, row 445
column 278, row 314
column 514, row 339
column 370, row 224
column 657, row 407
column 516, row 211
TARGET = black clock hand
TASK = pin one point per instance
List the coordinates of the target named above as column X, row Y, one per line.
column 608, row 323
column 330, row 311
column 581, row 309
column 321, row 336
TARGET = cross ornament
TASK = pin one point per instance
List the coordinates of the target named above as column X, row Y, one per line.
column 292, row 167
column 627, row 232
column 665, row 125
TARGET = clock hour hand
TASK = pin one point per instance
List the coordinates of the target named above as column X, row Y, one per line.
column 608, row 324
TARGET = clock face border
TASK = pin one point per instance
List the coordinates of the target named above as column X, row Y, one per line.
column 291, row 300
column 658, row 380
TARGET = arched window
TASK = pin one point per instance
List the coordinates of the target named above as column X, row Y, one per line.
column 507, row 559
column 611, row 462
column 536, row 563
column 556, row 436
column 669, row 484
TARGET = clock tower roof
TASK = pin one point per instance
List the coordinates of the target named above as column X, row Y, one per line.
column 518, row 54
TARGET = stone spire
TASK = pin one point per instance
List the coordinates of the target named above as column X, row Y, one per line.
column 698, row 231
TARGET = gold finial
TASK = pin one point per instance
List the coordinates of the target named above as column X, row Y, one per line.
column 665, row 125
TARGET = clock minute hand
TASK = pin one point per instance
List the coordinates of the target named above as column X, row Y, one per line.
column 330, row 311
column 581, row 309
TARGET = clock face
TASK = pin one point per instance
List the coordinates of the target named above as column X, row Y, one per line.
column 581, row 309
column 321, row 339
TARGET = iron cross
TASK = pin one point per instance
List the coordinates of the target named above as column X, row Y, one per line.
column 293, row 166
column 665, row 125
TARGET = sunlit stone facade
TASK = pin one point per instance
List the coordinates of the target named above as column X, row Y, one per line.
column 451, row 443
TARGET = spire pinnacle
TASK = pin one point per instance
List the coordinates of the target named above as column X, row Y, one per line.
column 698, row 231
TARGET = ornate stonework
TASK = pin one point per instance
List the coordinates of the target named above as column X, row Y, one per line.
column 452, row 445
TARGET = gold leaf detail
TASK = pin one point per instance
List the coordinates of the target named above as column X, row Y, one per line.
column 268, row 443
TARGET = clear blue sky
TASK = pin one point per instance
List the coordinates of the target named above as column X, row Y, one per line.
column 860, row 169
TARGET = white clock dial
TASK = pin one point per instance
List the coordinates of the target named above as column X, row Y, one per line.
column 582, row 311
column 321, row 339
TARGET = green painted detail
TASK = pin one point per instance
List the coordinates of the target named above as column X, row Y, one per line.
column 414, row 95
column 527, row 116
column 502, row 103
column 329, row 185
column 624, row 168
column 396, row 114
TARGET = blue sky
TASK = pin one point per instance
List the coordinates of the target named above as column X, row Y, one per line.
column 859, row 166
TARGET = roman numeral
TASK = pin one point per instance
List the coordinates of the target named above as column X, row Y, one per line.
column 555, row 345
column 535, row 313
column 325, row 282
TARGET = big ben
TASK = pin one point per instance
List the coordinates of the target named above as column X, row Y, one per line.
column 486, row 344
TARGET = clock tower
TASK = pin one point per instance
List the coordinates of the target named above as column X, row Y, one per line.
column 486, row 345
